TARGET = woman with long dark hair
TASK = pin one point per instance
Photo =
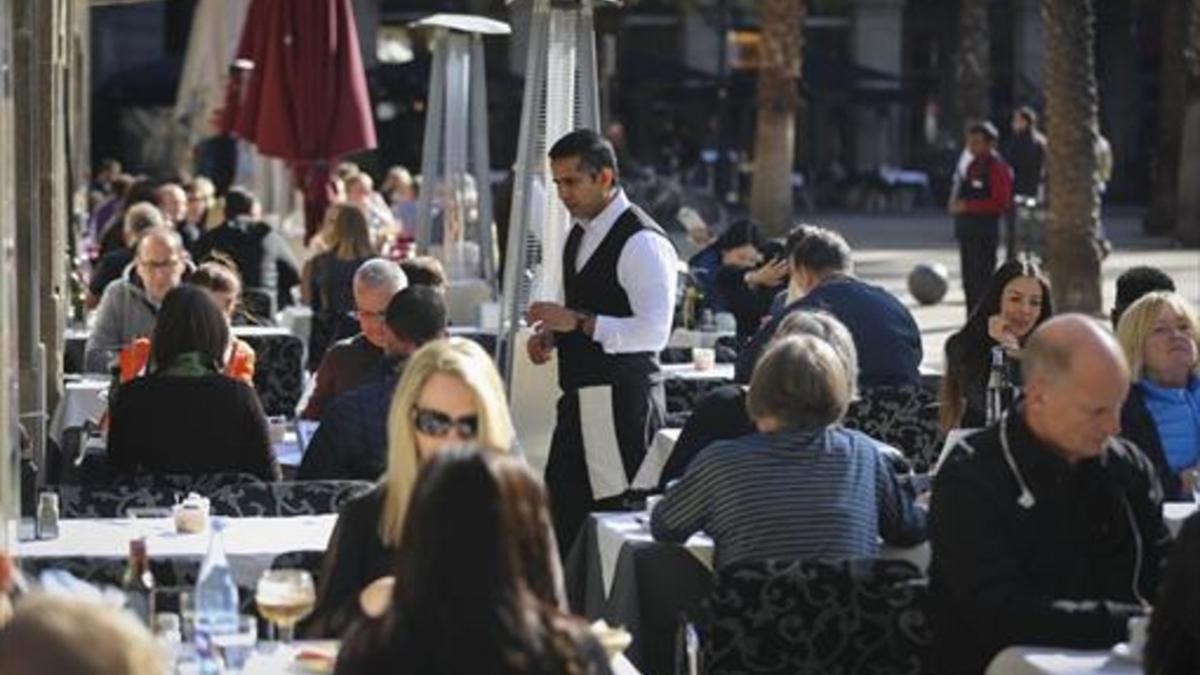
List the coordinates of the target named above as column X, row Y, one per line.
column 186, row 416
column 478, row 588
column 1017, row 300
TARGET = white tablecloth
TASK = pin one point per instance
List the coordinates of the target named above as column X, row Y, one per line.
column 682, row 338
column 687, row 371
column 250, row 543
column 613, row 530
column 1050, row 661
column 1174, row 513
column 82, row 400
column 281, row 659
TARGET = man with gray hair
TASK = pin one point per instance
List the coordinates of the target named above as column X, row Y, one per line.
column 358, row 359
column 1046, row 528
column 129, row 305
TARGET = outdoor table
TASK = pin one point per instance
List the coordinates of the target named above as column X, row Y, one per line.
column 82, row 400
column 683, row 338
column 1174, row 513
column 280, row 658
column 251, row 544
column 685, row 384
column 484, row 337
column 616, row 571
column 1053, row 661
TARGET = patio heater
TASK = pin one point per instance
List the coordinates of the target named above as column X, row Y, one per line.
column 561, row 95
column 454, row 210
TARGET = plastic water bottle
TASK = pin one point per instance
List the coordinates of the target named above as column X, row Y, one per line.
column 216, row 601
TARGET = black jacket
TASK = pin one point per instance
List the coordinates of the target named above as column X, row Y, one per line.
column 166, row 424
column 1026, row 154
column 264, row 259
column 356, row 556
column 1137, row 426
column 1003, row 575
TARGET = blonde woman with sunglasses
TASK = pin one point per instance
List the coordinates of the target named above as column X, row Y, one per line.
column 450, row 395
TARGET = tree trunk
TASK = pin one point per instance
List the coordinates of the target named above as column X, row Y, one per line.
column 779, row 71
column 973, row 63
column 1160, row 218
column 1072, row 130
column 1187, row 217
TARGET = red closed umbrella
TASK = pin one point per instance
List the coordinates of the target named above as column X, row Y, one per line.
column 305, row 100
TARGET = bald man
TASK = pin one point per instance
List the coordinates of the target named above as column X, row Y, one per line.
column 129, row 305
column 1046, row 528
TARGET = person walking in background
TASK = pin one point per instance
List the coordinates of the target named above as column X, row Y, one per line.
column 982, row 194
column 1026, row 152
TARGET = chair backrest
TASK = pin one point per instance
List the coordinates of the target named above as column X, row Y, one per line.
column 289, row 498
column 905, row 417
column 278, row 370
column 114, row 499
column 816, row 616
column 259, row 304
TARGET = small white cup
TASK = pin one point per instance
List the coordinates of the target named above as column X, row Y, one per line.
column 704, row 358
column 1137, row 633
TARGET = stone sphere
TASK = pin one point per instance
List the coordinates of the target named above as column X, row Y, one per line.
column 928, row 283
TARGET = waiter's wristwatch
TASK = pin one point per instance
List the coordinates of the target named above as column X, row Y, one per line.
column 581, row 319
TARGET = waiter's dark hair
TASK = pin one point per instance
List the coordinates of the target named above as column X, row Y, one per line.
column 594, row 151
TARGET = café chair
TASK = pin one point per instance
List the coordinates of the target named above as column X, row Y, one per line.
column 810, row 617
column 113, row 499
column 903, row 417
column 287, row 498
column 278, row 371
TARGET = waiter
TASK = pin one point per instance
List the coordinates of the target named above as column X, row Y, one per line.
column 983, row 193
column 619, row 274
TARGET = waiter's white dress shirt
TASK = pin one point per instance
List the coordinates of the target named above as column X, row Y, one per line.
column 646, row 270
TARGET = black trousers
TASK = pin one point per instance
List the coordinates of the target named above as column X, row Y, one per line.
column 977, row 240
column 638, row 408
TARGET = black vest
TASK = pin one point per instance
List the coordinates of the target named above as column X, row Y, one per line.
column 595, row 289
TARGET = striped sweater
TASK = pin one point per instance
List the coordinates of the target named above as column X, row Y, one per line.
column 825, row 493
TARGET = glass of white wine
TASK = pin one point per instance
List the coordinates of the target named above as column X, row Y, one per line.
column 284, row 597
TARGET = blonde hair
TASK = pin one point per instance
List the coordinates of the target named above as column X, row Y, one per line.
column 1137, row 322
column 801, row 382
column 61, row 634
column 467, row 361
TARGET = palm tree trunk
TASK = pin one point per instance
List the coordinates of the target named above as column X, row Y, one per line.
column 1160, row 218
column 779, row 71
column 1187, row 220
column 973, row 63
column 1072, row 131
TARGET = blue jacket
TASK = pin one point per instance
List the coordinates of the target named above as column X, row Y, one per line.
column 351, row 443
column 885, row 334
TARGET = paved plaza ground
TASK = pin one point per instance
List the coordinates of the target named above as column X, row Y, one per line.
column 887, row 246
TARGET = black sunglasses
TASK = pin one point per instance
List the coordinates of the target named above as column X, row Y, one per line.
column 438, row 424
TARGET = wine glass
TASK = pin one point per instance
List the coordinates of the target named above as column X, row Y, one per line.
column 284, row 597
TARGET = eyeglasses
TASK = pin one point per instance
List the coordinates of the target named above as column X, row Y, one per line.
column 439, row 424
column 367, row 315
column 156, row 265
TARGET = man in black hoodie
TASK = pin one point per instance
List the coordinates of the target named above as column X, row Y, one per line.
column 1046, row 529
column 263, row 258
